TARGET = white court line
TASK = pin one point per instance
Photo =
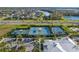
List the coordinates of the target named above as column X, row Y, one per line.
column 1, row 40
column 71, row 41
column 59, row 46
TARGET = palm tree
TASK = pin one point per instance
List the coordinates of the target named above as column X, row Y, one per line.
column 54, row 34
column 18, row 15
column 41, row 16
column 41, row 43
column 33, row 15
column 39, row 38
column 11, row 17
column 19, row 37
column 57, row 15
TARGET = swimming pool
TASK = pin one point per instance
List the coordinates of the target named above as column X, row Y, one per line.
column 71, row 17
column 57, row 30
column 39, row 31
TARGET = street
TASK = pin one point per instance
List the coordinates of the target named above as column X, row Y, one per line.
column 11, row 22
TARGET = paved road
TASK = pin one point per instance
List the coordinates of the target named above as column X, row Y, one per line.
column 38, row 23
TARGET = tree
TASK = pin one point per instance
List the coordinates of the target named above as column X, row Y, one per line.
column 41, row 16
column 57, row 15
column 19, row 37
column 33, row 15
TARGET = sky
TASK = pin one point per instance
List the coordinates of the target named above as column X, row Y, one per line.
column 39, row 3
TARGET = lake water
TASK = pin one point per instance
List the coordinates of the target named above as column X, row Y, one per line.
column 71, row 17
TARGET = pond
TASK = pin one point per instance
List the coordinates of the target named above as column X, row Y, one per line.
column 44, row 12
column 71, row 17
column 57, row 30
column 39, row 31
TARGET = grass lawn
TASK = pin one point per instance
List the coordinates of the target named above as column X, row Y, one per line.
column 2, row 18
column 4, row 29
